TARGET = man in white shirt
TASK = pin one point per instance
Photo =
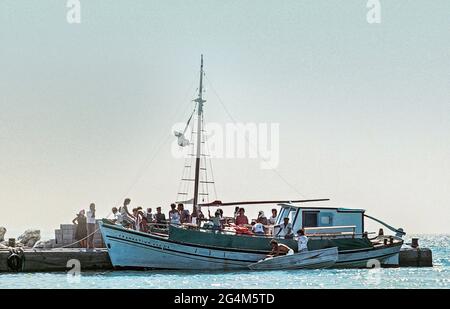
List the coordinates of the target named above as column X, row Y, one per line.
column 90, row 216
column 285, row 229
column 302, row 241
column 117, row 218
column 273, row 218
column 258, row 228
column 174, row 215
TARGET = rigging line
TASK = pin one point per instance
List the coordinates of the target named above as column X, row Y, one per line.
column 208, row 159
column 150, row 159
column 248, row 141
column 183, row 185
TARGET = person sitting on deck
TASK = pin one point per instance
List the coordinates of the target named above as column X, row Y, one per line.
column 127, row 217
column 241, row 219
column 302, row 241
column 159, row 216
column 174, row 215
column 141, row 219
column 185, row 217
column 285, row 229
column 258, row 228
column 116, row 215
column 216, row 224
column 279, row 249
column 273, row 219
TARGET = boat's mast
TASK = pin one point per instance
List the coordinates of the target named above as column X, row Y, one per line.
column 200, row 102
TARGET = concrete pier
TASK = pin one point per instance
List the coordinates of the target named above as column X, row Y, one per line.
column 47, row 260
column 415, row 257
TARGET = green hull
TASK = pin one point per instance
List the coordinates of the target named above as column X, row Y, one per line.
column 259, row 243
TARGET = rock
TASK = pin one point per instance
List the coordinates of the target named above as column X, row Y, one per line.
column 45, row 244
column 29, row 238
column 2, row 233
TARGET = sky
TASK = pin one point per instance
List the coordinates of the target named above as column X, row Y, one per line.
column 87, row 109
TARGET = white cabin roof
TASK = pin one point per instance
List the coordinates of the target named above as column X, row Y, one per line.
column 339, row 209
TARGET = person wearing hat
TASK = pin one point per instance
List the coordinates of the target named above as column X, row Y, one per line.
column 262, row 218
column 279, row 249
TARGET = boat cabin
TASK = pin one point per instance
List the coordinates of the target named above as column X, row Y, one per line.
column 323, row 220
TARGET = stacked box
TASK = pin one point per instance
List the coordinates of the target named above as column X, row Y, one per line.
column 68, row 233
column 58, row 237
column 66, row 236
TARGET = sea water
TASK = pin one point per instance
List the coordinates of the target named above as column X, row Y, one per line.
column 435, row 277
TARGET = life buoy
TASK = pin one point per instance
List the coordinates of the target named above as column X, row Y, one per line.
column 15, row 262
column 241, row 230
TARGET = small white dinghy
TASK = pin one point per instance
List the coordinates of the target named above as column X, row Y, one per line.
column 323, row 258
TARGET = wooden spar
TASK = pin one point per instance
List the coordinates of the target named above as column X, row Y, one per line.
column 219, row 203
column 200, row 102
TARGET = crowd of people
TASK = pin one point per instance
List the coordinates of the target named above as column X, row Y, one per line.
column 141, row 219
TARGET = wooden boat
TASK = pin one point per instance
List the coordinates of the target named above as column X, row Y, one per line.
column 316, row 259
column 178, row 247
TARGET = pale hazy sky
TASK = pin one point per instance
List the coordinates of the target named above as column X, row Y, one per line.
column 364, row 109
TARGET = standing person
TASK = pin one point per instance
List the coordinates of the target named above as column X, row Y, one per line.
column 302, row 241
column 241, row 219
column 262, row 218
column 194, row 216
column 236, row 211
column 81, row 228
column 174, row 215
column 137, row 219
column 150, row 216
column 159, row 216
column 185, row 217
column 273, row 218
column 286, row 229
column 90, row 226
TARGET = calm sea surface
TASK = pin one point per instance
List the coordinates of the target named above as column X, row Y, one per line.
column 436, row 277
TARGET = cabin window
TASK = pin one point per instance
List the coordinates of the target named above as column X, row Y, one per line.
column 287, row 212
column 326, row 219
column 310, row 218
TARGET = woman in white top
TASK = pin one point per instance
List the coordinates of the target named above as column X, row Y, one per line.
column 174, row 217
column 302, row 241
column 273, row 219
column 90, row 216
